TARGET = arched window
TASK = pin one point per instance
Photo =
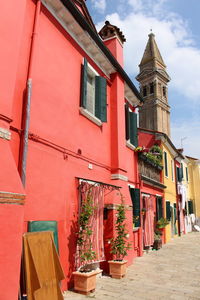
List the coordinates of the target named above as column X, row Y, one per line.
column 164, row 91
column 151, row 88
column 144, row 91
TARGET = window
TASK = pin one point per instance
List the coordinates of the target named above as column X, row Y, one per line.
column 165, row 162
column 172, row 167
column 182, row 174
column 179, row 174
column 144, row 91
column 164, row 91
column 159, row 207
column 190, row 207
column 135, row 197
column 131, row 126
column 168, row 210
column 93, row 92
column 186, row 173
column 151, row 88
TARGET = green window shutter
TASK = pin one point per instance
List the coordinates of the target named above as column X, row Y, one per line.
column 186, row 172
column 178, row 174
column 84, row 71
column 166, row 166
column 133, row 129
column 34, row 226
column 181, row 171
column 159, row 207
column 168, row 210
column 135, row 197
column 175, row 217
column 101, row 98
column 127, row 120
column 190, row 207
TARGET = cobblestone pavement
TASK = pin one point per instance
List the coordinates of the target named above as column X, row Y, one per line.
column 173, row 272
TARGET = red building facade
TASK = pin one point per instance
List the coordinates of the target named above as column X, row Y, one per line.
column 151, row 187
column 67, row 117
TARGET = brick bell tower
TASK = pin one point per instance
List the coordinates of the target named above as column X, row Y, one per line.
column 153, row 79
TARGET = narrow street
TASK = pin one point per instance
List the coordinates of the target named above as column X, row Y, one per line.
column 173, row 272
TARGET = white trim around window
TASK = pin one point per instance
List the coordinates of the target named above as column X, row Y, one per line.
column 90, row 116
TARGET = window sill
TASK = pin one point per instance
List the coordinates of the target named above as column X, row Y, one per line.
column 90, row 116
column 130, row 146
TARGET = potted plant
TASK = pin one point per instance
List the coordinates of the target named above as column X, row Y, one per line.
column 162, row 223
column 157, row 240
column 119, row 245
column 85, row 276
column 139, row 149
column 143, row 211
column 156, row 150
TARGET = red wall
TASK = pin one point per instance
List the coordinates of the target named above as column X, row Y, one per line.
column 11, row 215
column 51, row 184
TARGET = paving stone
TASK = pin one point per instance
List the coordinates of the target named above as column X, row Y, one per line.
column 173, row 272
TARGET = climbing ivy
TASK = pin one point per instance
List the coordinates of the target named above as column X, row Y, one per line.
column 119, row 244
column 84, row 242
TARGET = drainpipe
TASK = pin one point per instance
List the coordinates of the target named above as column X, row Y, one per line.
column 27, row 104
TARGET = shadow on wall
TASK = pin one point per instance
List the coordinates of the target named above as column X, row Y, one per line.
column 72, row 241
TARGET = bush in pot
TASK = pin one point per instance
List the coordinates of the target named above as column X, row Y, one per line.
column 157, row 240
column 162, row 223
column 85, row 276
column 119, row 245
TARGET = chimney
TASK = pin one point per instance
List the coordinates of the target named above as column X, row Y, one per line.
column 114, row 39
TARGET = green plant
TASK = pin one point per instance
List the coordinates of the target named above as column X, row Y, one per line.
column 154, row 156
column 139, row 149
column 143, row 211
column 156, row 150
column 119, row 244
column 162, row 223
column 84, row 242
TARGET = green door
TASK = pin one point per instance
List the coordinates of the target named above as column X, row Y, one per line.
column 34, row 226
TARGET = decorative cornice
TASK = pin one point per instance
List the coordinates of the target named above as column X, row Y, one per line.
column 5, row 134
column 113, row 206
column 119, row 176
column 153, row 182
column 11, row 198
column 4, row 118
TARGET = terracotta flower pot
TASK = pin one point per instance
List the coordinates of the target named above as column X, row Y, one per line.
column 85, row 283
column 157, row 244
column 117, row 269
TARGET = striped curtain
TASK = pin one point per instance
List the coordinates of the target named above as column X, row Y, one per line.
column 148, row 224
column 96, row 221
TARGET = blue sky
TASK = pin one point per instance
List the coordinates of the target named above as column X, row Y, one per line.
column 175, row 24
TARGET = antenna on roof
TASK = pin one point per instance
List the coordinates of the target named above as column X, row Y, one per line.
column 182, row 139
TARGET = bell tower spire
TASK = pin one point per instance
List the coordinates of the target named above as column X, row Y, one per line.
column 153, row 79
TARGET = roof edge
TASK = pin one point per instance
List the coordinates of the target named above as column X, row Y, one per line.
column 84, row 24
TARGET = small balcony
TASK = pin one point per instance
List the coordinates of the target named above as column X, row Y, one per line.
column 148, row 170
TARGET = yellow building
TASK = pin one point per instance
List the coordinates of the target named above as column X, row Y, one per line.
column 170, row 154
column 194, row 187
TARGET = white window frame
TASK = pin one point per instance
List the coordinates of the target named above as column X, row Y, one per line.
column 84, row 111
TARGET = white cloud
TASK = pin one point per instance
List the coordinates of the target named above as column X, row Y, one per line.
column 148, row 6
column 100, row 5
column 189, row 134
column 179, row 52
column 174, row 40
